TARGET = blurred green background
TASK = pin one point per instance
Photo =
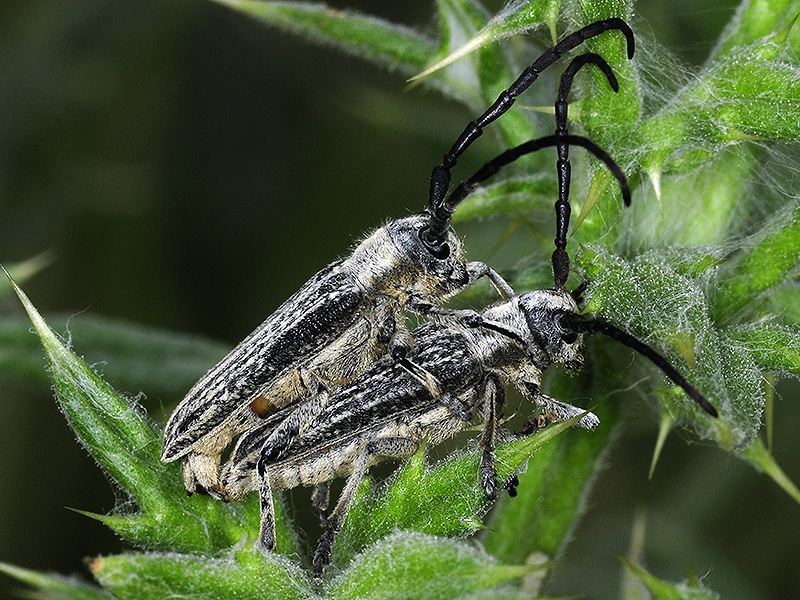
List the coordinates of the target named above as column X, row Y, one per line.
column 188, row 169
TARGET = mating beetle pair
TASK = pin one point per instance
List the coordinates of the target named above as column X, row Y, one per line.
column 308, row 390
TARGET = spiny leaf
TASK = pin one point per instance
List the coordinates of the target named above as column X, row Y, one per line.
column 647, row 298
column 696, row 209
column 517, row 18
column 117, row 433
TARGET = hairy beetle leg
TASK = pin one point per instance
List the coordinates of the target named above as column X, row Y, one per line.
column 390, row 447
column 488, row 475
column 494, row 400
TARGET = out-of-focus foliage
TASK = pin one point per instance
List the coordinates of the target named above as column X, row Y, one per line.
column 112, row 110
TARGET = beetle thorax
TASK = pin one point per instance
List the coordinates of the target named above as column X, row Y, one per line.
column 394, row 261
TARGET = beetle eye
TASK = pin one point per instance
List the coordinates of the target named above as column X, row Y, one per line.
column 435, row 247
column 569, row 337
column 442, row 252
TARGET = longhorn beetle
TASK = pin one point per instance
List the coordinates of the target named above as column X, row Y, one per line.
column 350, row 313
column 388, row 412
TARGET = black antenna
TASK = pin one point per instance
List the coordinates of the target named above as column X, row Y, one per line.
column 445, row 211
column 440, row 176
column 579, row 324
column 560, row 257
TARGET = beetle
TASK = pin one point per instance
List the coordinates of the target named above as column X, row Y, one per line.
column 388, row 413
column 351, row 312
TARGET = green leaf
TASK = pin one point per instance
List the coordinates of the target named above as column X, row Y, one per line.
column 118, row 434
column 55, row 587
column 443, row 500
column 245, row 575
column 516, row 18
column 115, row 431
column 649, row 299
column 764, row 262
column 416, row 566
column 365, row 36
column 161, row 364
column 511, row 196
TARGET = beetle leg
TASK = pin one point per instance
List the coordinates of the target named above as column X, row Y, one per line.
column 476, row 270
column 201, row 475
column 434, row 387
column 266, row 532
column 320, row 498
column 493, row 406
column 296, row 424
column 511, row 485
column 400, row 346
column 556, row 410
column 467, row 316
column 391, row 447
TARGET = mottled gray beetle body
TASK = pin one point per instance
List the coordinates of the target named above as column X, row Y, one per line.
column 386, row 398
column 387, row 412
column 328, row 332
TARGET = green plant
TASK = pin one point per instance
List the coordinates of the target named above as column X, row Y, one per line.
column 704, row 265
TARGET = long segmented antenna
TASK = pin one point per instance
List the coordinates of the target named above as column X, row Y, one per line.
column 579, row 324
column 560, row 257
column 440, row 176
column 466, row 187
column 561, row 140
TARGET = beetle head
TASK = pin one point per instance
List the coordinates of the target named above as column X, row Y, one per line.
column 543, row 311
column 434, row 271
